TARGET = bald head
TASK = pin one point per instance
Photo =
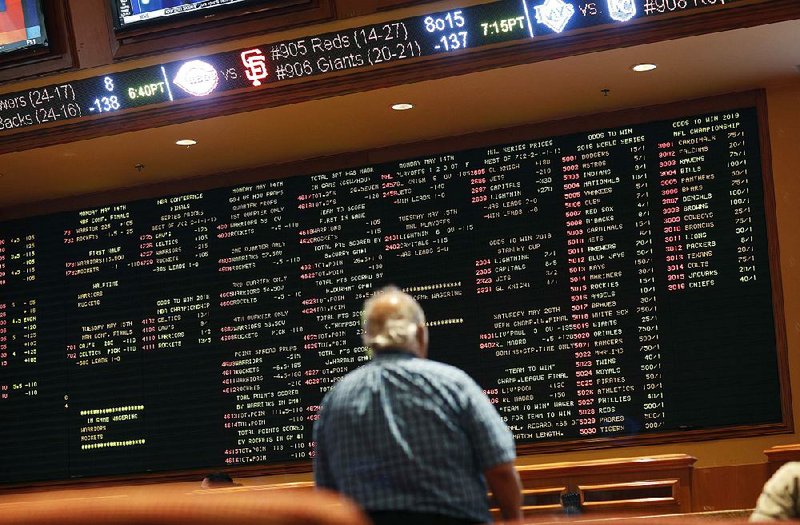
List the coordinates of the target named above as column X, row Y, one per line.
column 393, row 319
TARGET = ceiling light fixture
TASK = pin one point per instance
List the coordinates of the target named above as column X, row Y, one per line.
column 403, row 106
column 641, row 68
column 186, row 142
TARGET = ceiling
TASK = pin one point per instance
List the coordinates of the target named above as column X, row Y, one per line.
column 688, row 68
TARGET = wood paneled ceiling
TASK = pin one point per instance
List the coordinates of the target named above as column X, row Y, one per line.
column 693, row 67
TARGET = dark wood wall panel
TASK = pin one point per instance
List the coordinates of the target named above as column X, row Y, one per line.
column 778, row 455
column 393, row 4
column 91, row 33
column 728, row 487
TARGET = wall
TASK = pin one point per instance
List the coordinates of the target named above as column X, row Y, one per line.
column 722, row 458
column 715, row 458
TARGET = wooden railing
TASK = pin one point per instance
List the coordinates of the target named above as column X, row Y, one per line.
column 658, row 484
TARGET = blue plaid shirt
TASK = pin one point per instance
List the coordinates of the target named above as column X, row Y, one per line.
column 403, row 433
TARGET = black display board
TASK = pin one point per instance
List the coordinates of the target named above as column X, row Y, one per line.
column 602, row 284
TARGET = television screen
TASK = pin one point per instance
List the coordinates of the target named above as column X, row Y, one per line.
column 130, row 12
column 21, row 25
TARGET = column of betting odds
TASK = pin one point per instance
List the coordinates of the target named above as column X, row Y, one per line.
column 363, row 47
column 588, row 282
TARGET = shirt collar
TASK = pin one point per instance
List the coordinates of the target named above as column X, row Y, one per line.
column 395, row 353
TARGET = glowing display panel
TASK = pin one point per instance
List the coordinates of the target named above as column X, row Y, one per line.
column 362, row 47
column 608, row 283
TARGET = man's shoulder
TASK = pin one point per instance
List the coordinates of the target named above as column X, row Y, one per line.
column 365, row 378
column 441, row 370
column 353, row 378
column 786, row 475
column 435, row 371
column 446, row 376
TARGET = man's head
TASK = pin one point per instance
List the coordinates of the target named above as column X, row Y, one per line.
column 393, row 319
column 217, row 480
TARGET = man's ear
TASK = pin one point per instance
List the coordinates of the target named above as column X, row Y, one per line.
column 422, row 340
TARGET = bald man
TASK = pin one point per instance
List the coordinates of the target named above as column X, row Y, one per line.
column 409, row 439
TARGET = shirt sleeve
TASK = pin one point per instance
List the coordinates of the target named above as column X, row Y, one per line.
column 491, row 439
column 779, row 499
column 323, row 478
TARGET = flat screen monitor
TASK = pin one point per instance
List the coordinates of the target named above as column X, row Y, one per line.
column 21, row 25
column 133, row 13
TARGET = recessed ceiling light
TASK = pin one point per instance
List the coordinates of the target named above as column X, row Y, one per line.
column 641, row 68
column 186, row 142
column 403, row 106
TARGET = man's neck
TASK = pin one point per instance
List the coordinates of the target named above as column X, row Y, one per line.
column 394, row 350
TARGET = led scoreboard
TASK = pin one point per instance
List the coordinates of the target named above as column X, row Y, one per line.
column 352, row 49
column 599, row 285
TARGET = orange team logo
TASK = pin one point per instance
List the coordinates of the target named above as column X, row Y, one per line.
column 255, row 64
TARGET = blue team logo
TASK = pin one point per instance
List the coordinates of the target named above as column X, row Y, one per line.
column 555, row 14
